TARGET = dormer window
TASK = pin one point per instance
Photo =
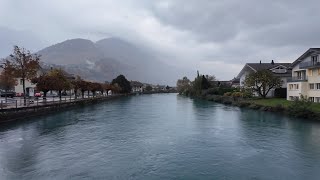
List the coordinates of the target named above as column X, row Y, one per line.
column 279, row 70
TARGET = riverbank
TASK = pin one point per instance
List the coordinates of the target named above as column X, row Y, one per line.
column 23, row 113
column 270, row 105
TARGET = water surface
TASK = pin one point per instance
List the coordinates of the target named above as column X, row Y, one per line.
column 160, row 137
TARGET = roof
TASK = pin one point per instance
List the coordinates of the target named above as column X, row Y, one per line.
column 307, row 53
column 266, row 66
column 136, row 84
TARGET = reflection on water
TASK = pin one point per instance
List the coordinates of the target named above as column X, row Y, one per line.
column 160, row 137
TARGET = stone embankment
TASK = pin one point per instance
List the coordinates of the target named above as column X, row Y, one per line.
column 23, row 113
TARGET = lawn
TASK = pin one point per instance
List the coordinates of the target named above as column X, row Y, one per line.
column 272, row 102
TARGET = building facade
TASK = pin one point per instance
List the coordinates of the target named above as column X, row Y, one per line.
column 305, row 79
column 281, row 70
column 30, row 87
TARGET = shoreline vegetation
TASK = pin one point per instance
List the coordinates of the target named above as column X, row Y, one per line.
column 208, row 88
column 277, row 105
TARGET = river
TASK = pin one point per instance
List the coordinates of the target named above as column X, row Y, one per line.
column 161, row 136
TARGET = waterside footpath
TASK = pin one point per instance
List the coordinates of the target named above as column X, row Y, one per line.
column 23, row 113
column 270, row 105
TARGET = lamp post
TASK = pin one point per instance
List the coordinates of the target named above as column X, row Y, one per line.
column 3, row 66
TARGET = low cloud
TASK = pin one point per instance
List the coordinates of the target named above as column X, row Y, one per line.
column 215, row 37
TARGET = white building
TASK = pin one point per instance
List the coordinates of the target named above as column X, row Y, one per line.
column 305, row 76
column 30, row 87
column 281, row 70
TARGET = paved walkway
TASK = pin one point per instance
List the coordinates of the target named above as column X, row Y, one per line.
column 18, row 102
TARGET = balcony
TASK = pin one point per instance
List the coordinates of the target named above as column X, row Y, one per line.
column 309, row 64
column 298, row 79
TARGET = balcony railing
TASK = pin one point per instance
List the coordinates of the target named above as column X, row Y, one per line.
column 279, row 71
column 298, row 79
column 309, row 64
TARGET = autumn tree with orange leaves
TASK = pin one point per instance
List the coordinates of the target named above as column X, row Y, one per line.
column 25, row 65
column 7, row 79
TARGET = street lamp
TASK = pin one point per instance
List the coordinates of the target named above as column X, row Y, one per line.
column 3, row 66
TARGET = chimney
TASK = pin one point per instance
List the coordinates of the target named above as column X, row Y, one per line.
column 272, row 62
column 260, row 61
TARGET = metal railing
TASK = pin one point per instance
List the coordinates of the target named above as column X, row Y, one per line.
column 309, row 64
column 279, row 71
column 298, row 78
column 15, row 103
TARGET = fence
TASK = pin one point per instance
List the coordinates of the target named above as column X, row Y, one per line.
column 19, row 103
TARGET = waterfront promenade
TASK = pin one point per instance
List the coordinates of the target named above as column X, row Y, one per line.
column 15, row 109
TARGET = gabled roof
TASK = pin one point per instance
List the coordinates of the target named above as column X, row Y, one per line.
column 265, row 66
column 304, row 55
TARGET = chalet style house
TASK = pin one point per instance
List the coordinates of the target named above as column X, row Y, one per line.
column 281, row 70
column 305, row 76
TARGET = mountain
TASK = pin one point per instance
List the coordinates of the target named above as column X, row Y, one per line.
column 107, row 58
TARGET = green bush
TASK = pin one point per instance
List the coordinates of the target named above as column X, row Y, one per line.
column 247, row 94
column 227, row 94
column 300, row 107
column 237, row 94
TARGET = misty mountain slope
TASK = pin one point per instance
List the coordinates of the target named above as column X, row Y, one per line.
column 106, row 59
column 74, row 51
column 144, row 65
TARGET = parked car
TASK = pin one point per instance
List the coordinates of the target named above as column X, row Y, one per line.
column 7, row 94
column 37, row 94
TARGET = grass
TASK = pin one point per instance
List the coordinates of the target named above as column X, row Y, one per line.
column 273, row 102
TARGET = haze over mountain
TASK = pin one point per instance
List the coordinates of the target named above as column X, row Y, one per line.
column 106, row 59
column 9, row 38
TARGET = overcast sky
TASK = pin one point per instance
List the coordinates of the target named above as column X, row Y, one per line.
column 215, row 37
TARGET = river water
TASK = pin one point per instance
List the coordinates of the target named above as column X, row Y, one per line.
column 160, row 137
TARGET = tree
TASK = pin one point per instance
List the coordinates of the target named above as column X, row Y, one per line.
column 7, row 80
column 116, row 88
column 94, row 87
column 183, row 85
column 107, row 87
column 123, row 83
column 200, row 83
column 60, row 80
column 25, row 65
column 84, row 86
column 44, row 83
column 148, row 88
column 262, row 82
column 76, row 84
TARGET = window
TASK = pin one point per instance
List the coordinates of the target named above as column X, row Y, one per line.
column 318, row 86
column 311, row 86
column 314, row 59
column 310, row 72
column 293, row 86
column 317, row 99
column 21, row 81
column 311, row 99
column 299, row 74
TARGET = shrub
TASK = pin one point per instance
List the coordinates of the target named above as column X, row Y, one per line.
column 300, row 107
column 227, row 94
column 247, row 94
column 237, row 94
